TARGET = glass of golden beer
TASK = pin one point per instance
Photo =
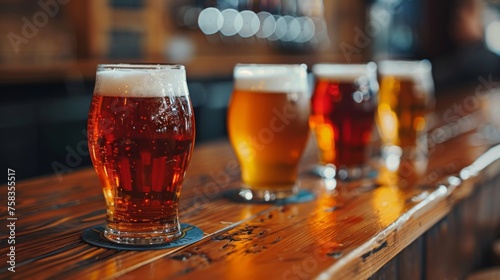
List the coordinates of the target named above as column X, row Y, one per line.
column 343, row 106
column 141, row 134
column 268, row 128
column 406, row 97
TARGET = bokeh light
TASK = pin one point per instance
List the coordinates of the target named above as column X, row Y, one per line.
column 263, row 25
column 293, row 29
column 492, row 36
column 267, row 25
column 307, row 29
column 232, row 22
column 251, row 24
column 210, row 21
column 280, row 30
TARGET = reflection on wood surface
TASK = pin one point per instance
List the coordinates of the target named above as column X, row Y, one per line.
column 390, row 227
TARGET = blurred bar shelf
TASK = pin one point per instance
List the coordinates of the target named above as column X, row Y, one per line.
column 201, row 67
column 434, row 226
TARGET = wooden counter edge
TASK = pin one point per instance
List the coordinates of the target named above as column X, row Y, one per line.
column 367, row 259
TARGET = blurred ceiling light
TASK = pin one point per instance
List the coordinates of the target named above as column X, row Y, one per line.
column 307, row 30
column 492, row 36
column 251, row 24
column 280, row 30
column 303, row 31
column 293, row 29
column 233, row 22
column 210, row 21
column 267, row 25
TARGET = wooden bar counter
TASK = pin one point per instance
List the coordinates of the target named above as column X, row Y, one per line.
column 400, row 226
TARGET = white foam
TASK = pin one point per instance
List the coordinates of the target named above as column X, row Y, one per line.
column 412, row 70
column 416, row 71
column 272, row 78
column 141, row 80
column 344, row 72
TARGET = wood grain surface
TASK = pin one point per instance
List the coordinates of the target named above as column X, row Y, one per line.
column 352, row 230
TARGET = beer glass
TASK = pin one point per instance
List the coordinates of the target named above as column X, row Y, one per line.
column 141, row 134
column 406, row 97
column 343, row 105
column 268, row 128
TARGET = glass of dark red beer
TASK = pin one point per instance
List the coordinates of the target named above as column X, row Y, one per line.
column 343, row 108
column 141, row 135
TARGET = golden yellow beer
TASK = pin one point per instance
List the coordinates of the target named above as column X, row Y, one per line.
column 405, row 99
column 268, row 127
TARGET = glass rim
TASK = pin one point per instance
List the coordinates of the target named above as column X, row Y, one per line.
column 140, row 66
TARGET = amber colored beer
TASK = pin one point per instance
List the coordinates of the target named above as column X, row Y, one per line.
column 268, row 126
column 343, row 111
column 406, row 97
column 140, row 144
column 401, row 112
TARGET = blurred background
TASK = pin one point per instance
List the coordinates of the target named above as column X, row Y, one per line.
column 50, row 48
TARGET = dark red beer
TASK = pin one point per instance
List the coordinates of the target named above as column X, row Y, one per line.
column 140, row 148
column 342, row 115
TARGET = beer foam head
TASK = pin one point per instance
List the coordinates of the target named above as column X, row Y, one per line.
column 416, row 71
column 344, row 72
column 276, row 78
column 128, row 80
column 405, row 69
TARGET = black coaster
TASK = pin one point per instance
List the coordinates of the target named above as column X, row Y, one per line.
column 95, row 236
column 301, row 197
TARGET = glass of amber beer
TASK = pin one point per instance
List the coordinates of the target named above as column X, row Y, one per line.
column 268, row 128
column 343, row 105
column 141, row 134
column 406, row 97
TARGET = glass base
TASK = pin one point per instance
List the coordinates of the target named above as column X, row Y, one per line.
column 410, row 159
column 267, row 195
column 171, row 232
